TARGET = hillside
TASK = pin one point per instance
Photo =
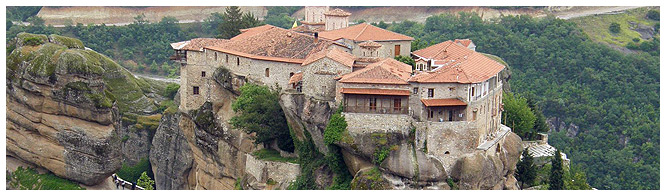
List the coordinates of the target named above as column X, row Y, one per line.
column 633, row 25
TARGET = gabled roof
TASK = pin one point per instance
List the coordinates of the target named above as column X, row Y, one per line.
column 363, row 32
column 386, row 71
column 253, row 31
column 272, row 44
column 464, row 42
column 334, row 54
column 443, row 52
column 374, row 91
column 471, row 68
column 337, row 12
column 297, row 77
column 197, row 44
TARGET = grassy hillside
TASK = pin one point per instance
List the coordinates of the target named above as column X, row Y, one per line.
column 597, row 26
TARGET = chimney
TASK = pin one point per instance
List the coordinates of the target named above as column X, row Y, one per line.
column 316, row 35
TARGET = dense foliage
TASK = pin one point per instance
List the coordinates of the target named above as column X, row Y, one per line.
column 146, row 182
column 614, row 27
column 29, row 179
column 519, row 116
column 259, row 112
column 556, row 180
column 525, row 170
column 406, row 60
column 22, row 13
column 233, row 20
column 280, row 16
column 132, row 173
column 612, row 97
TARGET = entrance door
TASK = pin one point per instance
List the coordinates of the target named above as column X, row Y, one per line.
column 397, row 50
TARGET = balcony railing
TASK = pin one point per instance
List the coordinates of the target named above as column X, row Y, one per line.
column 377, row 109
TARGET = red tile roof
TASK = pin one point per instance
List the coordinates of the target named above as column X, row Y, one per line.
column 464, row 42
column 334, row 53
column 337, row 12
column 386, row 71
column 374, row 91
column 363, row 32
column 471, row 68
column 197, row 44
column 443, row 52
column 442, row 102
column 297, row 77
column 272, row 44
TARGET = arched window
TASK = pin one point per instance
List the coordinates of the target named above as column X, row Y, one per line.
column 267, row 72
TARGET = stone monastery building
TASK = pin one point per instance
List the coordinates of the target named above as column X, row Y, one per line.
column 451, row 87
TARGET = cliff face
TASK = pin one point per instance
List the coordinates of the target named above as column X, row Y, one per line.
column 60, row 113
column 389, row 151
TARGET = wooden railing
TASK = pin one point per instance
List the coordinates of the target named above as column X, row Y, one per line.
column 377, row 109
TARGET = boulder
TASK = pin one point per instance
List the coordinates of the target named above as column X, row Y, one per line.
column 170, row 155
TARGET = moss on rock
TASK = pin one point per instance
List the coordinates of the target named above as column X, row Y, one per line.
column 30, row 39
column 369, row 179
column 67, row 41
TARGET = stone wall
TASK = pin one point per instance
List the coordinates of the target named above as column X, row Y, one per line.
column 336, row 22
column 318, row 78
column 386, row 51
column 280, row 172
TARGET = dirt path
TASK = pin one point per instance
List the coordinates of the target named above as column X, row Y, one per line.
column 590, row 10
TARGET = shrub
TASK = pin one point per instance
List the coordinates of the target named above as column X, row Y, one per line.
column 133, row 173
column 653, row 15
column 334, row 129
column 614, row 27
column 171, row 90
column 29, row 179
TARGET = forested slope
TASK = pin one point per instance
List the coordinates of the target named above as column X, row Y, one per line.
column 612, row 97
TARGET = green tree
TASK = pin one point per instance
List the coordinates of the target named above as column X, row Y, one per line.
column 526, row 172
column 145, row 182
column 258, row 111
column 234, row 20
column 575, row 179
column 153, row 67
column 556, row 181
column 171, row 90
column 653, row 15
column 406, row 60
column 518, row 115
column 614, row 27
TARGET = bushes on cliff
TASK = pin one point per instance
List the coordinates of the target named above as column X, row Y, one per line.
column 259, row 112
column 518, row 116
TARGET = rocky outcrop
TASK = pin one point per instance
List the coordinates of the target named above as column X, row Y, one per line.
column 489, row 169
column 61, row 114
column 171, row 156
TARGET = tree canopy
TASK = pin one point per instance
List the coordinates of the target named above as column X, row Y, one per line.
column 258, row 111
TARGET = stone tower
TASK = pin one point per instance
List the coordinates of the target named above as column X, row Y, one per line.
column 315, row 14
column 336, row 19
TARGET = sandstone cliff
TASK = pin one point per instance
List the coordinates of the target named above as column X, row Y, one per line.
column 61, row 115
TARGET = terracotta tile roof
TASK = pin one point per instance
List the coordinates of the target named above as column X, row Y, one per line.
column 306, row 29
column 334, row 53
column 386, row 71
column 253, row 31
column 464, row 42
column 443, row 52
column 337, row 12
column 442, row 102
column 363, row 32
column 374, row 91
column 297, row 77
column 472, row 68
column 370, row 44
column 273, row 44
column 197, row 44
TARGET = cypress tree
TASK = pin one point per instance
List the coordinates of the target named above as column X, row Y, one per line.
column 556, row 172
column 525, row 170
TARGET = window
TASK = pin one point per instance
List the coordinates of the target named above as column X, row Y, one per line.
column 397, row 105
column 203, row 74
column 416, row 90
column 431, row 92
column 267, row 72
column 397, row 50
column 227, row 59
column 195, row 90
column 472, row 91
column 373, row 103
column 237, row 61
column 474, row 115
column 431, row 113
column 215, row 56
